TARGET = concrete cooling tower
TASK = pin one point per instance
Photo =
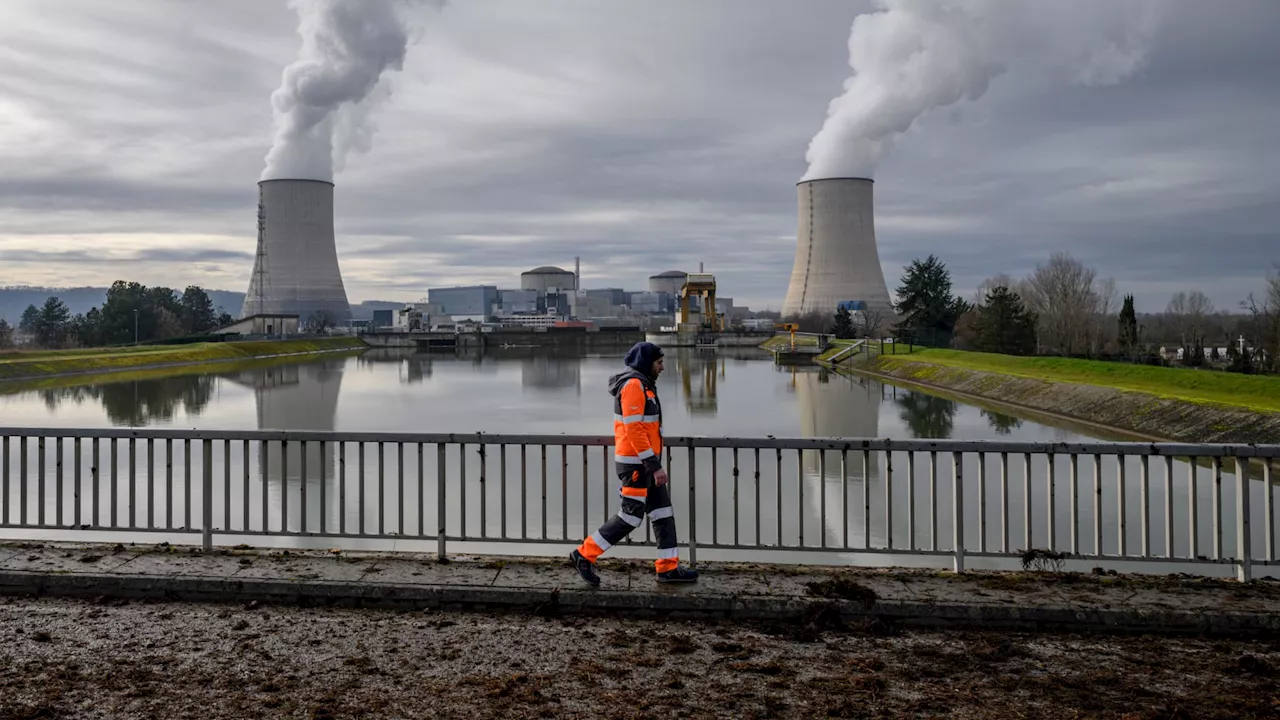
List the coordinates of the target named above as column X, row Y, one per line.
column 296, row 270
column 836, row 256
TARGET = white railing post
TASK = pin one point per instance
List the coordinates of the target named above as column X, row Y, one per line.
column 1244, row 536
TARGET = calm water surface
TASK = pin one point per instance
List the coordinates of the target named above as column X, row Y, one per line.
column 786, row 499
column 743, row 395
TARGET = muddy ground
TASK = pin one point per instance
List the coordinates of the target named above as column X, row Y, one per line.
column 117, row 659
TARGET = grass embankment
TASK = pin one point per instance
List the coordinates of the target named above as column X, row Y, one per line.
column 28, row 365
column 876, row 347
column 783, row 342
column 1255, row 392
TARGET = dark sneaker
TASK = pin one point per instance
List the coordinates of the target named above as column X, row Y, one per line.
column 585, row 568
column 679, row 575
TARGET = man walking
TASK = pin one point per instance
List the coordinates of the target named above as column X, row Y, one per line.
column 637, row 439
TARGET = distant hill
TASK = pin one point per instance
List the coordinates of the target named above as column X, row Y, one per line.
column 14, row 300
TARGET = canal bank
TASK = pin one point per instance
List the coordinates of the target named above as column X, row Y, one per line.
column 1198, row 415
column 30, row 367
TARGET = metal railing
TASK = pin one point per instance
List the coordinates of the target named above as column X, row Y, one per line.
column 832, row 500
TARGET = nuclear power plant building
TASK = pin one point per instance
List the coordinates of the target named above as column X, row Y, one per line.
column 296, row 270
column 836, row 257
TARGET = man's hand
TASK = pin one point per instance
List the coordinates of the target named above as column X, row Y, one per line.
column 660, row 478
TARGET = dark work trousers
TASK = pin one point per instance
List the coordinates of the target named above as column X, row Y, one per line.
column 639, row 496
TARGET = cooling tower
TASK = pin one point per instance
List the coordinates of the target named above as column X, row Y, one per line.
column 296, row 270
column 836, row 257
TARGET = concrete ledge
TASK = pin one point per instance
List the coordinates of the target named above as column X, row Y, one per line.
column 1013, row 602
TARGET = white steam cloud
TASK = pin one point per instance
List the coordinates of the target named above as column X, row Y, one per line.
column 915, row 55
column 325, row 97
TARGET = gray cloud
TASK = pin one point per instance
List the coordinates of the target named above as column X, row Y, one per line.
column 641, row 137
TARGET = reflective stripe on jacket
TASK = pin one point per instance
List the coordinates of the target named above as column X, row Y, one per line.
column 637, row 425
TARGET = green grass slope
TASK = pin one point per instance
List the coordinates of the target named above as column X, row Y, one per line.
column 1257, row 392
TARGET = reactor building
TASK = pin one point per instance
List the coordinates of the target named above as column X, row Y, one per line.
column 836, row 257
column 296, row 269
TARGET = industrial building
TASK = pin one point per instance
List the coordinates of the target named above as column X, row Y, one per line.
column 517, row 302
column 473, row 302
column 836, row 256
column 669, row 283
column 264, row 324
column 552, row 297
column 556, row 289
column 547, row 279
column 612, row 296
column 296, row 269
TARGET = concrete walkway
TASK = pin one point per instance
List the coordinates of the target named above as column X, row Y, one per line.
column 1015, row 601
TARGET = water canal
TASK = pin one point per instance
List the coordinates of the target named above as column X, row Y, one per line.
column 737, row 394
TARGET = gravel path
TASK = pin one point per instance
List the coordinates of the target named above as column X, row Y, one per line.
column 113, row 659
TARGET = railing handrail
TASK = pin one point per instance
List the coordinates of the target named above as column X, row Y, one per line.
column 1151, row 449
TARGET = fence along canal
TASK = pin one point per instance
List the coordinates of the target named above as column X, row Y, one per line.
column 815, row 500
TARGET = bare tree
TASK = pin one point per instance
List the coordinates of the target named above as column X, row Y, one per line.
column 1266, row 325
column 320, row 321
column 1063, row 296
column 872, row 320
column 1191, row 314
column 1104, row 305
column 1199, row 318
column 1003, row 280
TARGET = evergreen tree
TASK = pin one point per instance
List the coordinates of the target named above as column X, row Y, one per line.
column 843, row 323
column 197, row 311
column 30, row 317
column 52, row 324
column 123, row 298
column 1128, row 332
column 925, row 301
column 6, row 334
column 87, row 328
column 1005, row 325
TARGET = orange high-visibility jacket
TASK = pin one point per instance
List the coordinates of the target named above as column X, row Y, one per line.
column 637, row 423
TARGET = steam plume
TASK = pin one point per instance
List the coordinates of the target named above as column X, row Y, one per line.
column 915, row 55
column 325, row 96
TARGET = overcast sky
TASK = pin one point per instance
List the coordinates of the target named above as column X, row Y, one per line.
column 642, row 136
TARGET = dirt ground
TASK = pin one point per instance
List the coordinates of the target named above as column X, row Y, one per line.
column 117, row 659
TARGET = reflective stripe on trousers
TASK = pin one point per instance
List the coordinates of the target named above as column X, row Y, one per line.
column 639, row 496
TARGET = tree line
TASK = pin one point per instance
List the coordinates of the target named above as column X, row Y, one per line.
column 1064, row 309
column 132, row 312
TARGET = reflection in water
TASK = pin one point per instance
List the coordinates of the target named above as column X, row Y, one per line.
column 1001, row 423
column 927, row 416
column 756, row 496
column 706, row 367
column 297, row 397
column 140, row 402
column 415, row 367
column 836, row 406
column 551, row 372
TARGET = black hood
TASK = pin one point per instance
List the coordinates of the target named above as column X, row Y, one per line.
column 617, row 381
